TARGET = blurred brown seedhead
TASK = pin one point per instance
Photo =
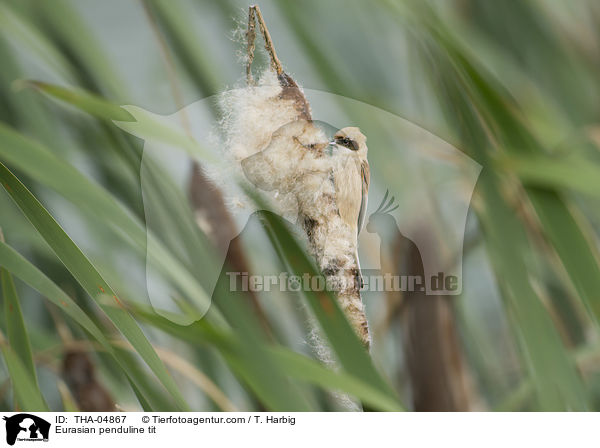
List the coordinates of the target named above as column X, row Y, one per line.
column 80, row 375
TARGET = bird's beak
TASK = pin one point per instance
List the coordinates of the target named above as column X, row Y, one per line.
column 332, row 147
column 333, row 144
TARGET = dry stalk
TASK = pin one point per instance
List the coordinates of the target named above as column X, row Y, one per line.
column 255, row 14
column 250, row 38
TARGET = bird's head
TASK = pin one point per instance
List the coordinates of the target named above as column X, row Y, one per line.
column 352, row 139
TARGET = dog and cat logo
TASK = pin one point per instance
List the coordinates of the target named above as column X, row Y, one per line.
column 26, row 428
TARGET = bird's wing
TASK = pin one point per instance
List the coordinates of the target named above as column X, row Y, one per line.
column 366, row 179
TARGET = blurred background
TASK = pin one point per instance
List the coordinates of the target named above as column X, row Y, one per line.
column 513, row 85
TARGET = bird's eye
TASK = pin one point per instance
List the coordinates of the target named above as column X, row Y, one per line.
column 347, row 142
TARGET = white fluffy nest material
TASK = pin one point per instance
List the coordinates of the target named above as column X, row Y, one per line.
column 270, row 144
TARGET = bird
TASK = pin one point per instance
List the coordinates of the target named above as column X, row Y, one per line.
column 352, row 182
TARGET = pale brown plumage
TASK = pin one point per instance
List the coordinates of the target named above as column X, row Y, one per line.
column 352, row 181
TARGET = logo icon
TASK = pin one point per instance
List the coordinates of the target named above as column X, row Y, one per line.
column 26, row 427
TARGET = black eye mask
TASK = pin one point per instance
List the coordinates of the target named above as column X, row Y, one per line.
column 347, row 142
